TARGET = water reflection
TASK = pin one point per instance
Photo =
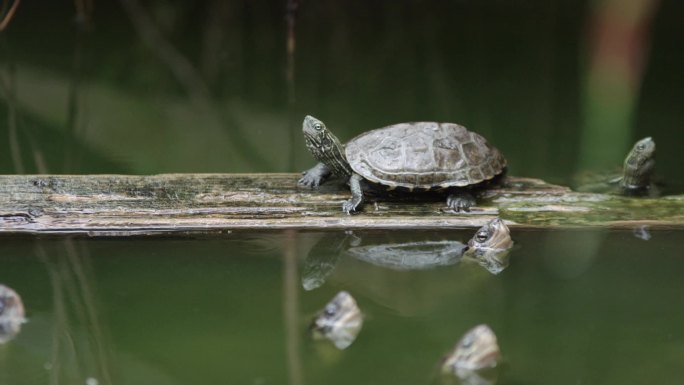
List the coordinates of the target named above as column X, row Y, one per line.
column 475, row 352
column 231, row 328
column 410, row 255
column 489, row 247
column 340, row 321
column 323, row 258
column 642, row 232
column 79, row 349
column 11, row 314
column 473, row 377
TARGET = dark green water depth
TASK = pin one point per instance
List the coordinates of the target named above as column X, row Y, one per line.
column 572, row 307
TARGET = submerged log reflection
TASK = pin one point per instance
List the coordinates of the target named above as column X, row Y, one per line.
column 79, row 344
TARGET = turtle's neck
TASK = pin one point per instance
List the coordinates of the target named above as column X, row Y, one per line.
column 639, row 166
column 637, row 176
column 328, row 150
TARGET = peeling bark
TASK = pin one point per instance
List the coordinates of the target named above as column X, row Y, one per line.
column 120, row 205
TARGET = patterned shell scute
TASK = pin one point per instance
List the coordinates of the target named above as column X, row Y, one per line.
column 424, row 155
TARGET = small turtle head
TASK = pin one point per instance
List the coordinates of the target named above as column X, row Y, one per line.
column 642, row 151
column 639, row 165
column 325, row 146
column 313, row 128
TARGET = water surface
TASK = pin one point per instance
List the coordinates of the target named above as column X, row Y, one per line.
column 589, row 307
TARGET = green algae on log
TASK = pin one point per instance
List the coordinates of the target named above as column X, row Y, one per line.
column 175, row 203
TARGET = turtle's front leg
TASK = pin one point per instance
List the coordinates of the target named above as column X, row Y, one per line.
column 357, row 195
column 314, row 176
column 461, row 201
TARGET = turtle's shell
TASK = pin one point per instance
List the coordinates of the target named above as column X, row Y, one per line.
column 410, row 255
column 424, row 155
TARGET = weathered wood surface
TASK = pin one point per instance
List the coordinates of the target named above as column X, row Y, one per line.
column 174, row 203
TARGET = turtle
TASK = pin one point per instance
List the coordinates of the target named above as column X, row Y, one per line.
column 637, row 171
column 636, row 177
column 409, row 157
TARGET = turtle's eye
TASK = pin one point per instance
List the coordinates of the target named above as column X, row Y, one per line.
column 641, row 146
column 481, row 236
column 318, row 126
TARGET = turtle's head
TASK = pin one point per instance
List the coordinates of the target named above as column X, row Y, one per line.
column 325, row 146
column 639, row 164
column 313, row 128
column 642, row 151
column 317, row 134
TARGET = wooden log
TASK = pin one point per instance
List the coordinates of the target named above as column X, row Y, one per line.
column 107, row 205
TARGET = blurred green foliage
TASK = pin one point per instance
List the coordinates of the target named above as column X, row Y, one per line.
column 207, row 91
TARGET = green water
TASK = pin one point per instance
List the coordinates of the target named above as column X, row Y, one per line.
column 572, row 307
column 172, row 86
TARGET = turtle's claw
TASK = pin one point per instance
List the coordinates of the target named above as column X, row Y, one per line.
column 309, row 179
column 461, row 202
column 350, row 206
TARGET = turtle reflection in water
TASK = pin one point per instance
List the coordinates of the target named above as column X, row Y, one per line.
column 475, row 353
column 489, row 247
column 636, row 177
column 11, row 314
column 340, row 321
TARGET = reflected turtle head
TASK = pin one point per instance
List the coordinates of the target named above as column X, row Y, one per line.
column 490, row 246
column 339, row 321
column 493, row 235
column 477, row 349
column 11, row 314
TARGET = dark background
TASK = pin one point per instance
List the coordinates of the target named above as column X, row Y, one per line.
column 175, row 86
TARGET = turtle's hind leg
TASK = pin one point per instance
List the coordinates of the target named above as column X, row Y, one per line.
column 461, row 201
column 354, row 204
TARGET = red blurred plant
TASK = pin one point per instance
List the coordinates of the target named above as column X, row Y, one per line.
column 10, row 13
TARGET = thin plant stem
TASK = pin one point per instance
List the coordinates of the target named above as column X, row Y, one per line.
column 290, row 19
column 10, row 14
column 9, row 89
